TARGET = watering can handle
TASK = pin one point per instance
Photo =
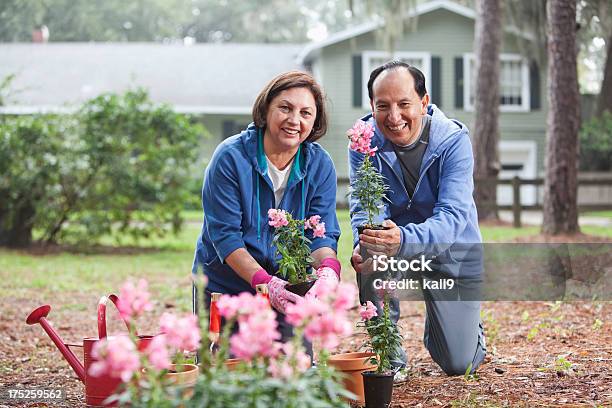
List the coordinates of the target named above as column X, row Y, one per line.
column 102, row 315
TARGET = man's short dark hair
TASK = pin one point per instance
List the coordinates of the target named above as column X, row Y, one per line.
column 417, row 75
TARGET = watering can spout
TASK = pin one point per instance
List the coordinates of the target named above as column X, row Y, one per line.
column 39, row 316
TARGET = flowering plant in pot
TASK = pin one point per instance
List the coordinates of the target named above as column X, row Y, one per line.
column 158, row 374
column 368, row 185
column 384, row 340
column 293, row 246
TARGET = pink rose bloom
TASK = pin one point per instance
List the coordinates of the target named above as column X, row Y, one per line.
column 319, row 230
column 278, row 218
column 117, row 357
column 134, row 300
column 157, row 353
column 181, row 333
column 368, row 311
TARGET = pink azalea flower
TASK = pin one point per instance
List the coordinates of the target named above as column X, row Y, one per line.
column 368, row 311
column 134, row 300
column 278, row 218
column 157, row 353
column 116, row 356
column 181, row 333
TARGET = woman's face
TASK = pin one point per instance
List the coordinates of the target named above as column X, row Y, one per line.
column 291, row 116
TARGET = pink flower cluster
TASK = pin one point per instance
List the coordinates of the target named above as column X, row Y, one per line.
column 134, row 300
column 116, row 356
column 119, row 357
column 360, row 136
column 314, row 223
column 182, row 333
column 257, row 327
column 323, row 314
column 292, row 361
column 278, row 218
column 368, row 311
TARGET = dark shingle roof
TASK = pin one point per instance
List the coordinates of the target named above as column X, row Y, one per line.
column 216, row 78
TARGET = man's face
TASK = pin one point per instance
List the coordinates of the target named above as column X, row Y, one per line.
column 396, row 106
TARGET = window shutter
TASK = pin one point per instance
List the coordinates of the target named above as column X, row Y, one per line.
column 357, row 81
column 534, row 86
column 459, row 82
column 436, row 81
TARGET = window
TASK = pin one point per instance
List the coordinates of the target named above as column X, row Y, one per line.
column 513, row 83
column 373, row 59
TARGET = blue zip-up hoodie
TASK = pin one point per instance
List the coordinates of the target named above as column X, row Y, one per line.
column 237, row 194
column 442, row 211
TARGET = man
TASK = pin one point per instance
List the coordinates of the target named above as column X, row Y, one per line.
column 427, row 162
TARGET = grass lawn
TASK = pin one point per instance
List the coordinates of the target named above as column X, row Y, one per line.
column 166, row 262
column 603, row 214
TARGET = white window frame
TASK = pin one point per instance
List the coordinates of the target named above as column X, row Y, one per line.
column 469, row 58
column 366, row 69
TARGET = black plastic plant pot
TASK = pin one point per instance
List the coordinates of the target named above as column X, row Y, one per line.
column 377, row 227
column 378, row 389
column 301, row 288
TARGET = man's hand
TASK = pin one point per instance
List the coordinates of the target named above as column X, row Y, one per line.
column 382, row 242
column 361, row 266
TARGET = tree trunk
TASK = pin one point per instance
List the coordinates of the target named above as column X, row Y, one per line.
column 560, row 185
column 604, row 101
column 486, row 122
column 19, row 234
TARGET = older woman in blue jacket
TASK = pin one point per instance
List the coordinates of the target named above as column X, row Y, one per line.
column 274, row 163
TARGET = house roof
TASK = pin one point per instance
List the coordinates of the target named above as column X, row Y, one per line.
column 311, row 50
column 202, row 78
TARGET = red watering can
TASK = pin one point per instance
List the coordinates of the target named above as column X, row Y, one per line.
column 97, row 389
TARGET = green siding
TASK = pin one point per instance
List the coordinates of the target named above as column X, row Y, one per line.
column 440, row 33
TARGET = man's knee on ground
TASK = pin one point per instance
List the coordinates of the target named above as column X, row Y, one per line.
column 457, row 364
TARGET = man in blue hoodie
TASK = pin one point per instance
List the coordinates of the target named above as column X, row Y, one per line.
column 427, row 162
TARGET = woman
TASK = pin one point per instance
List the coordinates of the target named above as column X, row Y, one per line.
column 274, row 163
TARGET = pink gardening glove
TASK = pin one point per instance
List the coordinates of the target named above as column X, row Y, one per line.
column 328, row 274
column 280, row 297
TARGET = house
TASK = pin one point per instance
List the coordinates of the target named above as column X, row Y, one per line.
column 219, row 82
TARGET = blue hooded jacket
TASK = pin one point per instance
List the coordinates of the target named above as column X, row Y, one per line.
column 237, row 194
column 441, row 211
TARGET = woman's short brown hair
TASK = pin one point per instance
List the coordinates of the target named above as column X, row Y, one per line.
column 288, row 80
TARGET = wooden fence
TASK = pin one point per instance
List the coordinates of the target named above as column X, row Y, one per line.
column 517, row 207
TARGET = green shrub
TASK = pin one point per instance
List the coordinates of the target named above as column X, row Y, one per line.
column 596, row 144
column 119, row 165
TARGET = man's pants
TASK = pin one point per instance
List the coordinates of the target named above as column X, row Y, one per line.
column 453, row 334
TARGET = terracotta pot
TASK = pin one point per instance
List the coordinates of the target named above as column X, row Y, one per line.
column 378, row 389
column 232, row 363
column 301, row 288
column 352, row 365
column 183, row 376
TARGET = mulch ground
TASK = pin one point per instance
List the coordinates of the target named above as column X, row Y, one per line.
column 539, row 354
